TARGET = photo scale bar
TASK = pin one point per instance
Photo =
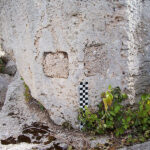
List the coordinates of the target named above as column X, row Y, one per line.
column 83, row 93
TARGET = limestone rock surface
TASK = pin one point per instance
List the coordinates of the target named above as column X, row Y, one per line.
column 15, row 112
column 10, row 68
column 4, row 82
column 143, row 146
column 102, row 41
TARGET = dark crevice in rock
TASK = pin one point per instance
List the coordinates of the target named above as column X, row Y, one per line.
column 34, row 133
column 10, row 140
column 35, row 105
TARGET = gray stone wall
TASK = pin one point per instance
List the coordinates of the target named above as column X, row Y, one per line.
column 57, row 44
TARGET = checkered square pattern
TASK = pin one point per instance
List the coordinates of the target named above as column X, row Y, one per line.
column 83, row 95
column 83, row 91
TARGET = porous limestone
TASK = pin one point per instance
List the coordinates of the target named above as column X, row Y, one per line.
column 10, row 68
column 104, row 42
column 142, row 146
column 4, row 82
column 15, row 112
column 55, row 65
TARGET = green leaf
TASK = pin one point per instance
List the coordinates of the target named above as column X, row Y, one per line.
column 105, row 125
column 112, row 113
column 117, row 109
column 109, row 88
column 124, row 96
column 129, row 118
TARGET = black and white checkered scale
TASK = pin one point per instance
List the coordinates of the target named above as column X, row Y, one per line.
column 83, row 90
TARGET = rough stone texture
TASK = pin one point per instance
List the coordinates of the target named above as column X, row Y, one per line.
column 107, row 42
column 10, row 68
column 56, row 65
column 95, row 60
column 4, row 81
column 22, row 146
column 15, row 112
column 143, row 146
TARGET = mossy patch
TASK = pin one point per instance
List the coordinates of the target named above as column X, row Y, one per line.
column 67, row 125
column 29, row 98
column 2, row 65
column 27, row 93
column 41, row 106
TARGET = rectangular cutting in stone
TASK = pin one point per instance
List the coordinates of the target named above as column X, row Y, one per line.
column 95, row 60
column 56, row 65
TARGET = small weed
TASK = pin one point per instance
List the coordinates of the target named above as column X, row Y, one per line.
column 22, row 78
column 27, row 93
column 67, row 125
column 41, row 106
column 69, row 147
column 28, row 96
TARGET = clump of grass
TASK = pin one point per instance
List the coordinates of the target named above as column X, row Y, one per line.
column 67, row 125
column 28, row 96
column 27, row 93
column 41, row 106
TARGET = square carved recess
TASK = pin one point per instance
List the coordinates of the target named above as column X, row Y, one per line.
column 95, row 60
column 56, row 65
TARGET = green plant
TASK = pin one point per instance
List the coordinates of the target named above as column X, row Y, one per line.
column 67, row 125
column 41, row 106
column 22, row 78
column 2, row 65
column 143, row 114
column 27, row 93
column 116, row 118
column 28, row 96
column 108, row 116
column 107, row 98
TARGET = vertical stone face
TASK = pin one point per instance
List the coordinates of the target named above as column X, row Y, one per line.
column 139, row 48
column 56, row 65
column 58, row 44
